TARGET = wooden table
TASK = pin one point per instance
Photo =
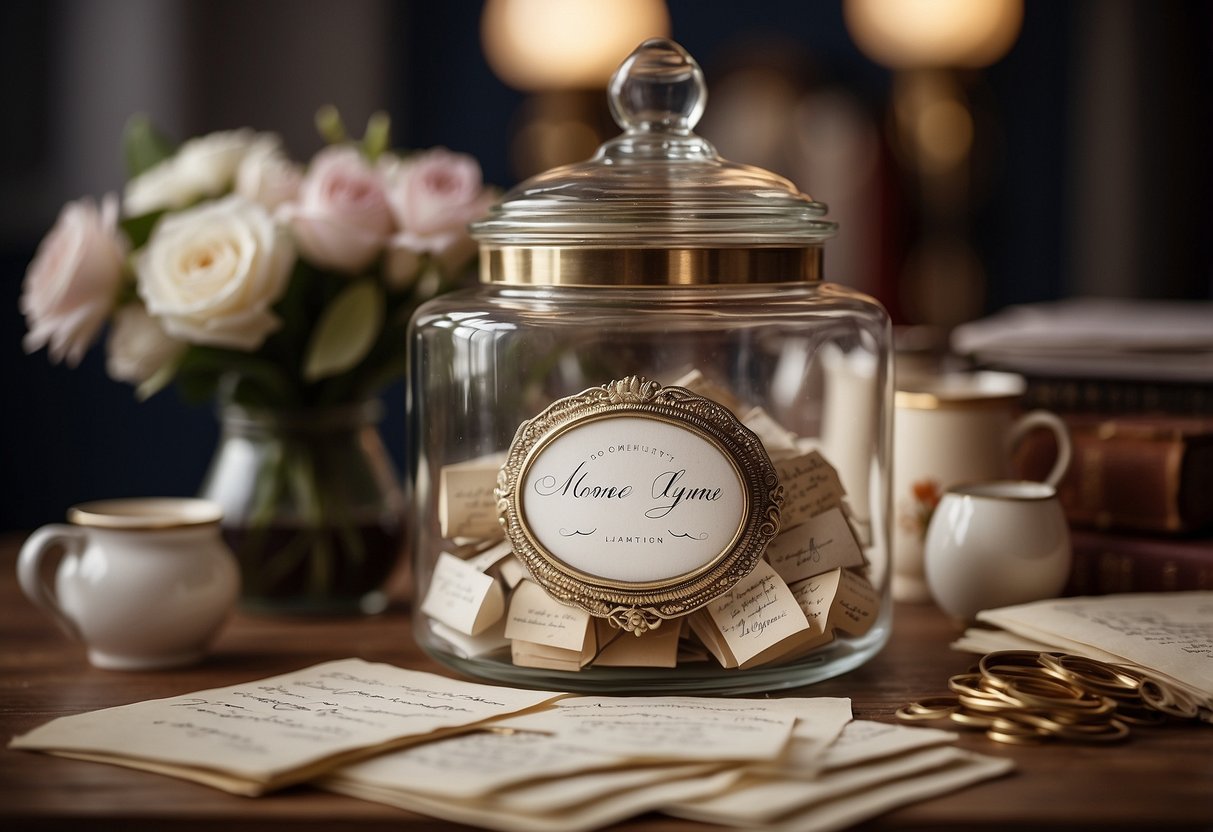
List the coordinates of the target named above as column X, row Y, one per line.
column 1161, row 778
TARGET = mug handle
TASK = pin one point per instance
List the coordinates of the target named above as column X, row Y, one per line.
column 29, row 570
column 1045, row 419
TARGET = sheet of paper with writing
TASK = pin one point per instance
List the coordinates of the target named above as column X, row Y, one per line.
column 254, row 737
column 818, row 545
column 1171, row 632
column 810, row 487
column 467, row 507
column 673, row 728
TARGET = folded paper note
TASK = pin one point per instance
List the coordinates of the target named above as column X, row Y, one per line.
column 463, row 597
column 822, row 543
column 755, row 622
column 467, row 507
column 810, row 487
column 539, row 618
column 258, row 736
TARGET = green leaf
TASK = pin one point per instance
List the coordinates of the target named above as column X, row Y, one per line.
column 252, row 378
column 139, row 229
column 143, row 145
column 378, row 135
column 346, row 331
column 330, row 125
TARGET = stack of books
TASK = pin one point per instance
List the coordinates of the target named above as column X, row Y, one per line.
column 1134, row 382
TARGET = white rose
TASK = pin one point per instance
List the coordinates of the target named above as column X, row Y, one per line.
column 138, row 347
column 212, row 273
column 266, row 176
column 202, row 167
column 71, row 284
column 341, row 220
column 433, row 196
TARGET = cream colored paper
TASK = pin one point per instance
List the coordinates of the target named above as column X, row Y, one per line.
column 844, row 797
column 668, row 785
column 260, row 735
column 810, row 487
column 847, row 601
column 529, row 654
column 473, row 647
column 778, row 440
column 822, row 543
column 700, row 385
column 1171, row 633
column 462, row 597
column 759, row 619
column 820, row 722
column 512, row 571
column 864, row 741
column 537, row 617
column 654, row 648
column 671, row 729
column 485, row 560
column 467, row 507
column 841, row 813
column 476, row 764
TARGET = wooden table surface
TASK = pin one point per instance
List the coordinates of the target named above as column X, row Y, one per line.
column 1162, row 778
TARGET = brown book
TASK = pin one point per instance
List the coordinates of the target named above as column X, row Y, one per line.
column 1109, row 562
column 1141, row 472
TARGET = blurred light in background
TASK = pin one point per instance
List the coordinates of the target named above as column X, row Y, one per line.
column 545, row 45
column 936, row 49
column 909, row 34
column 563, row 53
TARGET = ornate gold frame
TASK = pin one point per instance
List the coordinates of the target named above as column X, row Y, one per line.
column 640, row 607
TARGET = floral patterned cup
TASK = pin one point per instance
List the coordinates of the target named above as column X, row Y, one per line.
column 951, row 429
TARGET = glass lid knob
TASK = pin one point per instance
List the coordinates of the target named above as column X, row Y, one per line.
column 659, row 88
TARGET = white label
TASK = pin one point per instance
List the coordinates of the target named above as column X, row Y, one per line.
column 633, row 499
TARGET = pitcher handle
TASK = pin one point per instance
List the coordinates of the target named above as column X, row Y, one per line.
column 1045, row 419
column 56, row 536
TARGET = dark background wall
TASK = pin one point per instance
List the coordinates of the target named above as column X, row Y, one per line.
column 1099, row 179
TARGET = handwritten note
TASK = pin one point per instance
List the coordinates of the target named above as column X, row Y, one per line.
column 261, row 735
column 756, row 621
column 462, row 597
column 823, row 543
column 537, row 617
column 467, row 507
column 810, row 487
column 529, row 654
column 484, row 560
column 841, row 599
column 477, row 764
column 675, row 728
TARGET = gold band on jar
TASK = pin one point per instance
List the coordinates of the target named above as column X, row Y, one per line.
column 564, row 266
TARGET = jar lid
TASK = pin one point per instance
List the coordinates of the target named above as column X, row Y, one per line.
column 656, row 205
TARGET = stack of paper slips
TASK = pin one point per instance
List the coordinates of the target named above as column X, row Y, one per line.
column 778, row 764
column 526, row 760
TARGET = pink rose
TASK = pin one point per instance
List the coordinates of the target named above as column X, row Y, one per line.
column 72, row 283
column 341, row 220
column 138, row 347
column 433, row 196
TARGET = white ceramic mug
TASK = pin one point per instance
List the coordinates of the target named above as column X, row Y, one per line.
column 143, row 583
column 994, row 544
column 950, row 429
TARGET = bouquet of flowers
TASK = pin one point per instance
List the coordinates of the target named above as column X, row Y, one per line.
column 232, row 269
column 284, row 292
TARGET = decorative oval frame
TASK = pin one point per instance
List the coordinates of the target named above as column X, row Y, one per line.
column 639, row 607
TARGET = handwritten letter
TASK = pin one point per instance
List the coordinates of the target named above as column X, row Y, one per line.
column 825, row 542
column 466, row 505
column 261, row 735
column 537, row 617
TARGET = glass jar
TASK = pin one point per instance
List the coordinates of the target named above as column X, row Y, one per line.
column 312, row 508
column 650, row 451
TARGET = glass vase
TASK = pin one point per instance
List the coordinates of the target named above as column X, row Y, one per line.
column 312, row 507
